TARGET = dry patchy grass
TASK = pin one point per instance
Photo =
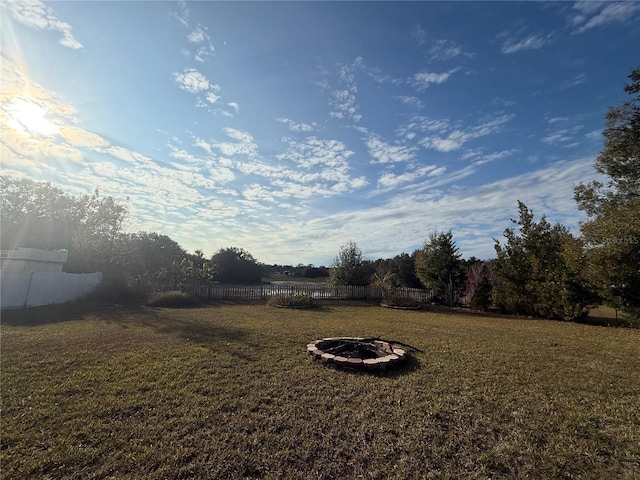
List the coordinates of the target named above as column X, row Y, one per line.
column 227, row 391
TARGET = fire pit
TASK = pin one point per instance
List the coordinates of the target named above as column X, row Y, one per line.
column 357, row 353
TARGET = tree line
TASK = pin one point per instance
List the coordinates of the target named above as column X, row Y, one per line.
column 539, row 270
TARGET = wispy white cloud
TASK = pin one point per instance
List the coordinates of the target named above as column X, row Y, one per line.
column 243, row 144
column 591, row 14
column 200, row 37
column 443, row 50
column 182, row 15
column 457, row 137
column 419, row 34
column 518, row 43
column 480, row 158
column 410, row 101
column 234, row 106
column 391, row 180
column 423, row 79
column 210, row 96
column 382, row 152
column 343, row 98
column 562, row 135
column 475, row 215
column 191, row 80
column 297, row 127
column 572, row 82
column 37, row 15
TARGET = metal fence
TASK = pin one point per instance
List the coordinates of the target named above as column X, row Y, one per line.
column 320, row 292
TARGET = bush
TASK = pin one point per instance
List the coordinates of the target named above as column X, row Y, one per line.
column 111, row 290
column 300, row 300
column 174, row 298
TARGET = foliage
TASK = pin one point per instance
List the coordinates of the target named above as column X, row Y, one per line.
column 481, row 298
column 151, row 260
column 539, row 271
column 398, row 271
column 195, row 270
column 315, row 272
column 173, row 298
column 291, row 300
column 236, row 266
column 612, row 231
column 39, row 215
column 349, row 267
column 36, row 215
column 475, row 272
column 439, row 268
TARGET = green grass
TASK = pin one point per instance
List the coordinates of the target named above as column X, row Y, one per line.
column 227, row 391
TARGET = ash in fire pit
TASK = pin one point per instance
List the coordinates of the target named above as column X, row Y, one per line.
column 357, row 353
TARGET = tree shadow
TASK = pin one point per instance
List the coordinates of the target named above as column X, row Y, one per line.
column 66, row 312
column 199, row 332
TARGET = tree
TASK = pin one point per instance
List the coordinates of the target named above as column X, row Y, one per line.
column 39, row 215
column 479, row 272
column 349, row 268
column 236, row 266
column 481, row 298
column 439, row 268
column 150, row 259
column 97, row 225
column 612, row 230
column 539, row 270
column 35, row 214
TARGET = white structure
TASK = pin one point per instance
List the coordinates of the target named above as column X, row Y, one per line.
column 32, row 277
column 32, row 260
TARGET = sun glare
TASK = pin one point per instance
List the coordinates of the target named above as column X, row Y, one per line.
column 29, row 118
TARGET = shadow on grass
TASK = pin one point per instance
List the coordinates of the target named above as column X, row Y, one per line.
column 608, row 322
column 66, row 312
column 410, row 364
column 199, row 332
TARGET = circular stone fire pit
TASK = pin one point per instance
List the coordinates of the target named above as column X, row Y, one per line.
column 356, row 353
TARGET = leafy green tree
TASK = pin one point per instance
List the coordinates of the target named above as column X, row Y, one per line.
column 349, row 267
column 236, row 266
column 439, row 267
column 97, row 228
column 612, row 230
column 36, row 215
column 539, row 271
column 39, row 215
column 150, row 260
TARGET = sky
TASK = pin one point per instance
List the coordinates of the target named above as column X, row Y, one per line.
column 291, row 128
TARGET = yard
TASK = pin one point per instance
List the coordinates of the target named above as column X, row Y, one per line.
column 227, row 391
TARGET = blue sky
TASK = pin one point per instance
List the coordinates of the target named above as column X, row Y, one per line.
column 290, row 128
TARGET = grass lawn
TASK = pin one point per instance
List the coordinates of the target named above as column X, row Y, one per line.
column 227, row 391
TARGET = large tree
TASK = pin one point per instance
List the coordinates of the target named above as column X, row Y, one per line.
column 349, row 266
column 39, row 215
column 439, row 267
column 539, row 270
column 236, row 266
column 612, row 230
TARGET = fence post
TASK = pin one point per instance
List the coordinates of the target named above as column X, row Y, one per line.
column 26, row 297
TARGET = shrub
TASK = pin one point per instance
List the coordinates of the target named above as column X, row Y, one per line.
column 174, row 298
column 299, row 300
